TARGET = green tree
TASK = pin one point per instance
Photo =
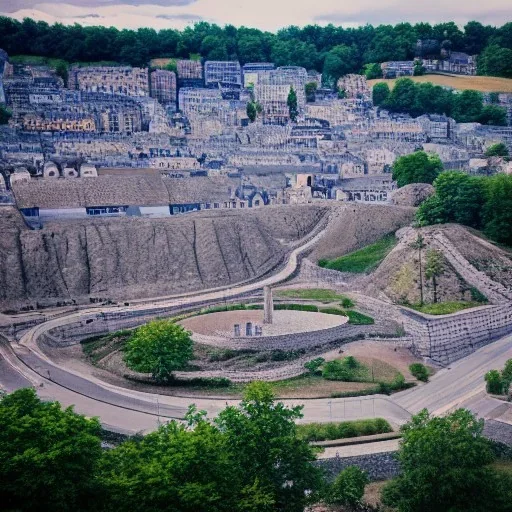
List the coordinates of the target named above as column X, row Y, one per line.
column 314, row 365
column 341, row 60
column 380, row 93
column 61, row 69
column 419, row 371
column 493, row 115
column 494, row 382
column 444, row 462
column 418, row 167
column 159, row 347
column 5, row 115
column 495, row 61
column 506, row 375
column 498, row 208
column 498, row 149
column 173, row 469
column 49, row 456
column 267, row 453
column 292, row 104
column 434, row 268
column 468, row 106
column 342, row 94
column 372, row 71
column 252, row 113
column 311, row 89
column 403, row 96
column 418, row 68
column 348, row 487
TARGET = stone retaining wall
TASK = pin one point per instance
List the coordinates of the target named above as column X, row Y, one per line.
column 446, row 338
column 378, row 466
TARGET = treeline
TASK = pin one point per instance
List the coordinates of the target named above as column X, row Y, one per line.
column 416, row 99
column 480, row 202
column 332, row 49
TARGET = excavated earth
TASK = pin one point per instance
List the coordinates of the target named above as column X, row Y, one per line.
column 128, row 258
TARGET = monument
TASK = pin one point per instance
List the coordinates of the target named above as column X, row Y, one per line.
column 268, row 305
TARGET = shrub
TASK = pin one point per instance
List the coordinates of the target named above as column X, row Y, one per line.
column 506, row 375
column 332, row 311
column 420, row 371
column 336, row 370
column 348, row 488
column 494, row 382
column 343, row 430
column 357, row 318
column 478, row 296
column 347, row 303
column 297, row 307
column 209, row 382
column 314, row 366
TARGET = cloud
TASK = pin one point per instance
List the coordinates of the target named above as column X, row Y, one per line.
column 16, row 5
column 83, row 16
column 181, row 17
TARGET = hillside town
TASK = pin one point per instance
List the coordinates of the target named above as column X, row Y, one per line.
column 214, row 134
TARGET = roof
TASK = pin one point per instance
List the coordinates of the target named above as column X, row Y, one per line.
column 121, row 190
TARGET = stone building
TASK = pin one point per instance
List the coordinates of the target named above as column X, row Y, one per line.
column 190, row 73
column 199, row 101
column 163, row 86
column 253, row 70
column 355, row 86
column 395, row 69
column 123, row 80
column 225, row 73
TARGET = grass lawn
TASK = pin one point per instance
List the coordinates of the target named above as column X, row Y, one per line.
column 320, row 294
column 363, row 260
column 444, row 308
column 476, row 83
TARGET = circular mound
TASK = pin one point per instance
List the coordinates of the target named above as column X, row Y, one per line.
column 412, row 195
column 284, row 322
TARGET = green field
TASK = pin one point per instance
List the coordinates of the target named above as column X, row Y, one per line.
column 364, row 260
column 444, row 308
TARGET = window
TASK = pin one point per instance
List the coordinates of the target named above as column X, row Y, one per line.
column 257, row 202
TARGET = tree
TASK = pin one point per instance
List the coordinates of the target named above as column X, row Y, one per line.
column 159, row 347
column 498, row 149
column 498, row 208
column 403, row 96
column 495, row 60
column 292, row 104
column 348, row 488
column 493, row 115
column 174, row 468
column 252, row 113
column 444, row 462
column 380, row 93
column 418, row 68
column 5, row 115
column 418, row 167
column 311, row 89
column 341, row 60
column 434, row 268
column 61, row 69
column 419, row 244
column 468, row 106
column 49, row 455
column 314, row 365
column 268, row 456
column 494, row 382
column 372, row 71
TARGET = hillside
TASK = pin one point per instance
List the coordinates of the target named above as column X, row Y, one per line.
column 461, row 82
column 471, row 265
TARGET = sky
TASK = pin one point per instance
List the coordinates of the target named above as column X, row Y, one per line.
column 263, row 14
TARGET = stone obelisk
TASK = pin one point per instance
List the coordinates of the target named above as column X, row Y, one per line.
column 268, row 305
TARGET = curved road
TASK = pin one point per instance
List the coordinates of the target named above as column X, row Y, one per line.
column 131, row 411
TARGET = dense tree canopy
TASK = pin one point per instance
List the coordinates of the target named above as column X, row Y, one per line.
column 249, row 459
column 49, row 455
column 415, row 99
column 445, row 467
column 5, row 115
column 480, row 202
column 418, row 167
column 312, row 46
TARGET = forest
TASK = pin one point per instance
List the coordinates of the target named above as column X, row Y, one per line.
column 331, row 49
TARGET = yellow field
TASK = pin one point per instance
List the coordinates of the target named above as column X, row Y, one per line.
column 477, row 83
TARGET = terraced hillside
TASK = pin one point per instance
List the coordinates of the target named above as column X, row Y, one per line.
column 134, row 258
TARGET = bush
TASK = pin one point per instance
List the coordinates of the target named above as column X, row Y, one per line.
column 494, row 382
column 478, row 296
column 347, row 303
column 345, row 369
column 343, row 430
column 332, row 311
column 297, row 307
column 348, row 488
column 314, row 366
column 209, row 382
column 420, row 371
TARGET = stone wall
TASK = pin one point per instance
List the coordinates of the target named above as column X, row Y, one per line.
column 446, row 338
column 378, row 466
